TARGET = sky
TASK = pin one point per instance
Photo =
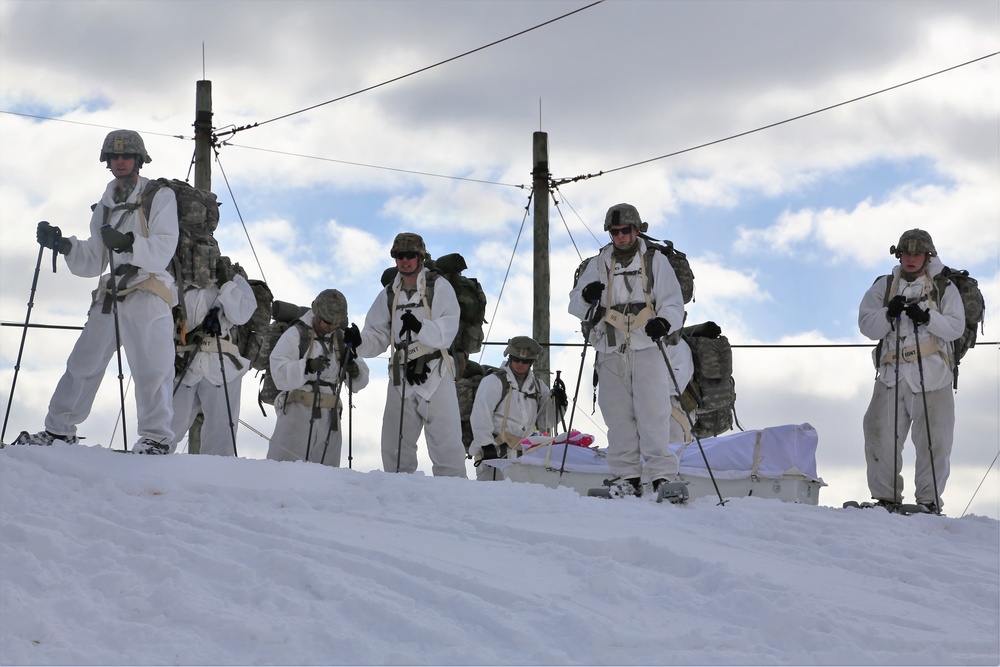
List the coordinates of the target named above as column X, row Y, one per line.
column 785, row 228
column 110, row 559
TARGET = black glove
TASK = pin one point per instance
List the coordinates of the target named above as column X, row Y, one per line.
column 592, row 292
column 317, row 364
column 353, row 370
column 417, row 371
column 896, row 305
column 222, row 275
column 115, row 240
column 210, row 325
column 49, row 236
column 657, row 327
column 410, row 323
column 559, row 397
column 917, row 314
column 490, row 452
column 352, row 336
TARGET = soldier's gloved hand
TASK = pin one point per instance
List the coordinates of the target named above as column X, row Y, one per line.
column 353, row 370
column 657, row 327
column 222, row 274
column 210, row 326
column 352, row 336
column 490, row 452
column 896, row 306
column 917, row 314
column 115, row 240
column 592, row 292
column 49, row 236
column 415, row 376
column 410, row 323
column 317, row 364
column 559, row 397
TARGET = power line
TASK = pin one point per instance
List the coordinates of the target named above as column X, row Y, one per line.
column 769, row 126
column 374, row 166
column 422, row 69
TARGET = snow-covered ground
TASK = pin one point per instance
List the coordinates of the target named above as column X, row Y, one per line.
column 108, row 558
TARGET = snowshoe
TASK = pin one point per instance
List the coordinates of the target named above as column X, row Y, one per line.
column 616, row 487
column 675, row 492
column 150, row 446
column 44, row 438
column 905, row 509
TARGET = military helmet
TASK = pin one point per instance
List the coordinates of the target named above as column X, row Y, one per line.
column 408, row 242
column 522, row 347
column 624, row 214
column 913, row 241
column 124, row 142
column 331, row 306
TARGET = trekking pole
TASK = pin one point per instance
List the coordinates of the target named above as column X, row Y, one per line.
column 895, row 423
column 188, row 359
column 312, row 414
column 342, row 373
column 225, row 385
column 118, row 340
column 927, row 418
column 350, row 420
column 24, row 334
column 402, row 396
column 677, row 388
column 572, row 413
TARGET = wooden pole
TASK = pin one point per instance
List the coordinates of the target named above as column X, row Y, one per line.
column 203, row 136
column 202, row 181
column 540, row 193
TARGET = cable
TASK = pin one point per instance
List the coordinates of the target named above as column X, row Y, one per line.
column 372, row 166
column 422, row 69
column 240, row 215
column 769, row 126
column 505, row 275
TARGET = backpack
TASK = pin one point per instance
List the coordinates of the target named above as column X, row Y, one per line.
column 972, row 301
column 711, row 394
column 197, row 251
column 468, row 292
column 285, row 315
column 248, row 337
column 678, row 262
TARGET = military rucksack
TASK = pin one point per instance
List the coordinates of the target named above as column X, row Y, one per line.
column 248, row 337
column 711, row 394
column 972, row 301
column 197, row 251
column 284, row 315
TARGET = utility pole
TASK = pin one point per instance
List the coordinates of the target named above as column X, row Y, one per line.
column 203, row 136
column 540, row 193
column 202, row 181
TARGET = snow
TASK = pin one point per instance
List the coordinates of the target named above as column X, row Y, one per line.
column 107, row 558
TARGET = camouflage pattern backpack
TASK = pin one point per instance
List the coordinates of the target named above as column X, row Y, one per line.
column 197, row 251
column 711, row 394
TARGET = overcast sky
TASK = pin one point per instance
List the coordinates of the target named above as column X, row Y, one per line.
column 785, row 228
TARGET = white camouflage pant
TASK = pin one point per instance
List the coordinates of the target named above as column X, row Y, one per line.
column 880, row 428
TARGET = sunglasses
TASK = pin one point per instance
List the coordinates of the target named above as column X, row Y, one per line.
column 520, row 360
column 620, row 231
column 122, row 156
column 407, row 255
